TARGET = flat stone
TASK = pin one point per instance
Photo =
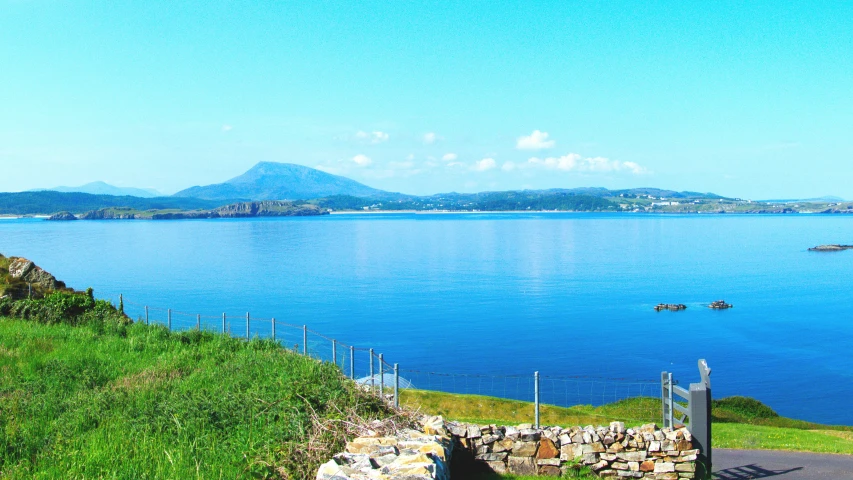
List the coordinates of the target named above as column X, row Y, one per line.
column 530, row 435
column 666, row 476
column 617, row 427
column 619, row 466
column 504, row 445
column 568, row 452
column 600, row 465
column 664, row 467
column 597, row 447
column 497, row 467
column 550, row 471
column 632, row 456
column 521, row 466
column 590, row 458
column 474, row 431
column 492, row 457
column 549, row 461
column 685, row 467
column 647, row 466
column 524, row 449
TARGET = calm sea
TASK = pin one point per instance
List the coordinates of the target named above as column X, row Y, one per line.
column 506, row 294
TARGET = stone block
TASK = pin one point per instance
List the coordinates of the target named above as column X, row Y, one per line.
column 664, row 467
column 548, row 461
column 685, row 467
column 632, row 456
column 550, row 471
column 547, row 449
column 521, row 466
column 474, row 431
column 524, row 449
column 497, row 467
column 504, row 445
column 647, row 466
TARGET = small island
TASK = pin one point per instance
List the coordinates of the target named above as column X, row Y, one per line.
column 720, row 305
column 830, row 248
column 672, row 307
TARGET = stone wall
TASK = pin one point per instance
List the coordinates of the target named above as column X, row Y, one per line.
column 612, row 451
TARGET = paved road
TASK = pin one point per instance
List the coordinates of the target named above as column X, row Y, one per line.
column 776, row 465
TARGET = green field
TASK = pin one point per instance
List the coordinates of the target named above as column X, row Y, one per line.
column 737, row 422
column 108, row 400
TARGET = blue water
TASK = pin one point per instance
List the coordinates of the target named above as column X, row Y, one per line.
column 505, row 294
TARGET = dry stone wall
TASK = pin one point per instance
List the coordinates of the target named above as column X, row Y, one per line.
column 609, row 451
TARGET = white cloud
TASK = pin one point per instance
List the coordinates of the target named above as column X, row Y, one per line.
column 535, row 141
column 227, row 128
column 574, row 162
column 373, row 137
column 484, row 165
column 410, row 156
column 449, row 157
column 362, row 160
column 508, row 166
column 430, row 138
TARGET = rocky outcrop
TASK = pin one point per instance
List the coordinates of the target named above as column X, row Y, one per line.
column 27, row 271
column 609, row 451
column 720, row 305
column 673, row 307
column 830, row 248
column 62, row 216
column 110, row 214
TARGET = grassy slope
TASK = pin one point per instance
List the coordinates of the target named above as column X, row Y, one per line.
column 139, row 402
column 732, row 428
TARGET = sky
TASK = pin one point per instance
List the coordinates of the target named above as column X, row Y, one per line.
column 746, row 99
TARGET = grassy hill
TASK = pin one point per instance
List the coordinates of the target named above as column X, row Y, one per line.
column 93, row 395
column 49, row 202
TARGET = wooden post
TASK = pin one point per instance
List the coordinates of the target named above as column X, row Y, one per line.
column 223, row 323
column 273, row 329
column 198, row 322
column 146, row 316
column 335, row 352
column 352, row 363
column 247, row 325
column 169, row 321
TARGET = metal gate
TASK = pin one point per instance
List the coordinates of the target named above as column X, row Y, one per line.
column 697, row 413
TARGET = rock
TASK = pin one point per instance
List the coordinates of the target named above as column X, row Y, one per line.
column 830, row 248
column 547, row 449
column 521, row 466
column 492, row 457
column 632, row 456
column 504, row 445
column 524, row 449
column 474, row 431
column 497, row 467
column 550, row 471
column 530, row 435
column 664, row 467
column 62, row 216
column 27, row 271
column 647, row 466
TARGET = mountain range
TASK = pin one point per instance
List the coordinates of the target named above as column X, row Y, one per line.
column 102, row 188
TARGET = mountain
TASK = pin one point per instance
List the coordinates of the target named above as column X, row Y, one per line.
column 281, row 181
column 101, row 188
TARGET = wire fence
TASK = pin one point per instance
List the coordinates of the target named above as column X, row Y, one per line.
column 373, row 370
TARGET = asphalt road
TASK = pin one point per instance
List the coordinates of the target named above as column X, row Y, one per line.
column 777, row 465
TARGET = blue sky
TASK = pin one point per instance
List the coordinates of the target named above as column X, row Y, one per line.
column 751, row 100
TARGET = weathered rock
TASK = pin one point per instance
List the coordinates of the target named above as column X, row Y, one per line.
column 547, row 449
column 504, row 445
column 521, row 465
column 550, row 471
column 524, row 449
column 62, row 216
column 664, row 467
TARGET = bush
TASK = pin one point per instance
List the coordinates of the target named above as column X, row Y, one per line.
column 64, row 307
column 748, row 408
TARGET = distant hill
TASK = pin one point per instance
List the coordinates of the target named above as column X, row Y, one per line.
column 49, row 202
column 102, row 188
column 282, row 181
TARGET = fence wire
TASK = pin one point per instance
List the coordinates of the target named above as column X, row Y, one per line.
column 371, row 368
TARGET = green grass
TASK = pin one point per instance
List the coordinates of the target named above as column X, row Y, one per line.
column 738, row 422
column 109, row 400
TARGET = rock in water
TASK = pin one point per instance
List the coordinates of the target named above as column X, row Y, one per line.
column 830, row 248
column 63, row 216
